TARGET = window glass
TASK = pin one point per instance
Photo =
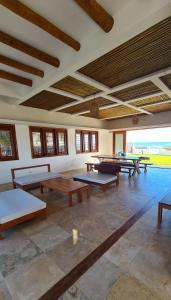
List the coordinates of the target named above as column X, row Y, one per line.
column 37, row 143
column 86, row 142
column 8, row 146
column 78, row 142
column 61, row 142
column 50, row 147
column 93, row 141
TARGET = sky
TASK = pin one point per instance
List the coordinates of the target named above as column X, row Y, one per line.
column 150, row 135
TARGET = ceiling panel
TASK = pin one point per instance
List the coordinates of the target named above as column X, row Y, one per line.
column 140, row 90
column 114, row 112
column 151, row 100
column 159, row 107
column 135, row 58
column 47, row 100
column 81, row 107
column 167, row 80
column 76, row 87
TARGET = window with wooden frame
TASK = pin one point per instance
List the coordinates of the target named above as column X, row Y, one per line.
column 78, row 141
column 94, row 141
column 48, row 141
column 8, row 143
column 62, row 142
column 86, row 141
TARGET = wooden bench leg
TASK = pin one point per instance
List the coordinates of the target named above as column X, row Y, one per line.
column 160, row 212
column 70, row 199
column 43, row 215
column 79, row 196
column 41, row 189
column 145, row 168
column 88, row 194
column 1, row 235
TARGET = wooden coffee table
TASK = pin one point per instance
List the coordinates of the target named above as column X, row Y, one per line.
column 66, row 186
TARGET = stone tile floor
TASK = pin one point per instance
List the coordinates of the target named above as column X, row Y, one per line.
column 35, row 255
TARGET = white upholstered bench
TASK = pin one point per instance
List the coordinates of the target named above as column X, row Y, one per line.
column 32, row 180
column 17, row 206
column 96, row 178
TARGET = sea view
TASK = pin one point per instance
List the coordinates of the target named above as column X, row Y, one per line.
column 152, row 144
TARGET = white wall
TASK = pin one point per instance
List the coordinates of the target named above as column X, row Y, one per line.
column 58, row 163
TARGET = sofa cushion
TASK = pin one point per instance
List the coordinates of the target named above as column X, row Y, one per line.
column 108, row 168
column 97, row 178
column 33, row 178
column 17, row 203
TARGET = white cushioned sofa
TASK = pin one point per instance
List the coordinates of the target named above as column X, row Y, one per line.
column 32, row 180
column 17, row 206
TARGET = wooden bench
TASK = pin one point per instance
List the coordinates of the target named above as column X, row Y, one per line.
column 144, row 166
column 164, row 204
column 32, row 180
column 91, row 166
column 18, row 206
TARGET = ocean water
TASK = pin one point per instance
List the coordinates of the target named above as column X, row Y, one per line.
column 151, row 144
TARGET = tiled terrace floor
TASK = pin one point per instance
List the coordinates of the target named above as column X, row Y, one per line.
column 35, row 255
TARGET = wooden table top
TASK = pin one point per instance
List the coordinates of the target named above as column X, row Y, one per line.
column 64, row 185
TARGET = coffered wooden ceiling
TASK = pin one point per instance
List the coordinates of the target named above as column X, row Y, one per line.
column 159, row 108
column 75, row 86
column 167, row 80
column 117, row 112
column 135, row 58
column 140, row 90
column 151, row 100
column 86, row 106
column 133, row 78
column 47, row 100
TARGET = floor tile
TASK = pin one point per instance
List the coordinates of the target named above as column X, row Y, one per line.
column 153, row 271
column 15, row 251
column 129, row 288
column 49, row 237
column 68, row 254
column 97, row 281
column 33, row 279
column 122, row 253
column 4, row 292
column 73, row 294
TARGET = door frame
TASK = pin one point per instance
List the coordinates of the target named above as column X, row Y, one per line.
column 124, row 139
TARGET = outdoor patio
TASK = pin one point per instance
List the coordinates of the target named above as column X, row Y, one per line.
column 37, row 254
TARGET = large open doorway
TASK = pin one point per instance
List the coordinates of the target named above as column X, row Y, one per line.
column 154, row 143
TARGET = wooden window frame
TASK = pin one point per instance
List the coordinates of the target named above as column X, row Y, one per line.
column 89, row 148
column 43, row 131
column 81, row 142
column 82, row 132
column 11, row 129
column 58, row 130
column 124, row 139
column 97, row 141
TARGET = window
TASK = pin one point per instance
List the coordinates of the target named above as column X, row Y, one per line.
column 50, row 147
column 86, row 141
column 8, row 143
column 78, row 141
column 62, row 142
column 94, row 141
column 48, row 141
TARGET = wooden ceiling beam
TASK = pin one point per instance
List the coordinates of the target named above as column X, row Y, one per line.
column 28, row 14
column 27, row 49
column 13, row 77
column 20, row 66
column 97, row 13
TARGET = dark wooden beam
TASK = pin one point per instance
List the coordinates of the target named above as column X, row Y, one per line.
column 28, row 14
column 97, row 13
column 20, row 66
column 15, row 78
column 26, row 48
